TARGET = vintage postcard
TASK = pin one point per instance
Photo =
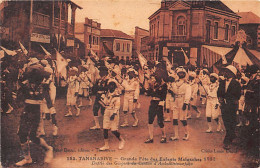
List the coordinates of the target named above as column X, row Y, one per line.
column 130, row 83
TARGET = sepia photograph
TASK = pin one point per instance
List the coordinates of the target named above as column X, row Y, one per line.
column 130, row 83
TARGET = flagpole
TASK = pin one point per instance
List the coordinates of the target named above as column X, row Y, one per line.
column 30, row 30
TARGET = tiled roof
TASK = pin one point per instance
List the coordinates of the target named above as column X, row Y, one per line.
column 248, row 18
column 115, row 34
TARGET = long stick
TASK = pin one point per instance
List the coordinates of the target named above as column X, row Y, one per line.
column 203, row 88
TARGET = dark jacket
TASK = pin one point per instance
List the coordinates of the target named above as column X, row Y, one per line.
column 253, row 92
column 233, row 92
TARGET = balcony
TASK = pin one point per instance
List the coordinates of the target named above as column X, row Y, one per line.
column 70, row 29
column 41, row 20
column 179, row 38
column 57, row 23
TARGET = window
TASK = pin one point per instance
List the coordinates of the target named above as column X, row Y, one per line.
column 233, row 31
column 123, row 49
column 117, row 46
column 208, row 31
column 216, row 30
column 151, row 30
column 89, row 39
column 181, row 25
column 128, row 48
column 97, row 41
column 158, row 24
column 226, row 32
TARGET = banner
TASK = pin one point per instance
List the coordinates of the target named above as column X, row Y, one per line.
column 9, row 52
column 142, row 59
column 23, row 48
column 61, row 64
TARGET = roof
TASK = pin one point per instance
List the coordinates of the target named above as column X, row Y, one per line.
column 79, row 27
column 217, row 4
column 248, row 18
column 256, row 54
column 115, row 34
column 73, row 2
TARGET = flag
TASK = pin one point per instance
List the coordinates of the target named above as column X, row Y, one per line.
column 142, row 59
column 9, row 52
column 168, row 64
column 185, row 56
column 2, row 54
column 94, row 55
column 165, row 51
column 89, row 61
column 61, row 64
column 45, row 51
column 23, row 48
column 224, row 60
column 108, row 51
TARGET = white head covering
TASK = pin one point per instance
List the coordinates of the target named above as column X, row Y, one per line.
column 33, row 61
column 181, row 69
column 48, row 69
column 44, row 62
column 215, row 75
column 192, row 73
column 74, row 69
column 232, row 69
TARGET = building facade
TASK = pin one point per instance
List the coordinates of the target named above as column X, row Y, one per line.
column 116, row 43
column 139, row 34
column 185, row 26
column 146, row 48
column 36, row 23
column 79, row 40
column 92, row 32
column 250, row 23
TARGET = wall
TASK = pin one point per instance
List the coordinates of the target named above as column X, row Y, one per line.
column 123, row 53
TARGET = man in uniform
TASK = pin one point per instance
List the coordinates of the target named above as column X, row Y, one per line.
column 131, row 87
column 33, row 93
column 182, row 92
column 158, row 91
column 194, row 90
column 100, row 88
column 111, row 102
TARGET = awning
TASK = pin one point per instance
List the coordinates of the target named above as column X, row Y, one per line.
column 256, row 53
column 241, row 58
column 219, row 50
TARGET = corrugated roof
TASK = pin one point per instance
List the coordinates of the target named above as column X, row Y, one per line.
column 248, row 18
column 115, row 34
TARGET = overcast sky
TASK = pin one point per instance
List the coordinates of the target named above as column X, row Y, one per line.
column 124, row 15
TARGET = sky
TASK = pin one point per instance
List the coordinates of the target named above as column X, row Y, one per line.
column 124, row 15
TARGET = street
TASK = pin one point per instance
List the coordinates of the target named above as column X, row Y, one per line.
column 76, row 145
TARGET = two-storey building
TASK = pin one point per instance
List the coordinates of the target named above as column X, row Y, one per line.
column 116, row 43
column 34, row 23
column 188, row 26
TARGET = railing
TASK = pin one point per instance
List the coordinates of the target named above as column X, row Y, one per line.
column 70, row 28
column 57, row 23
column 179, row 38
column 42, row 20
